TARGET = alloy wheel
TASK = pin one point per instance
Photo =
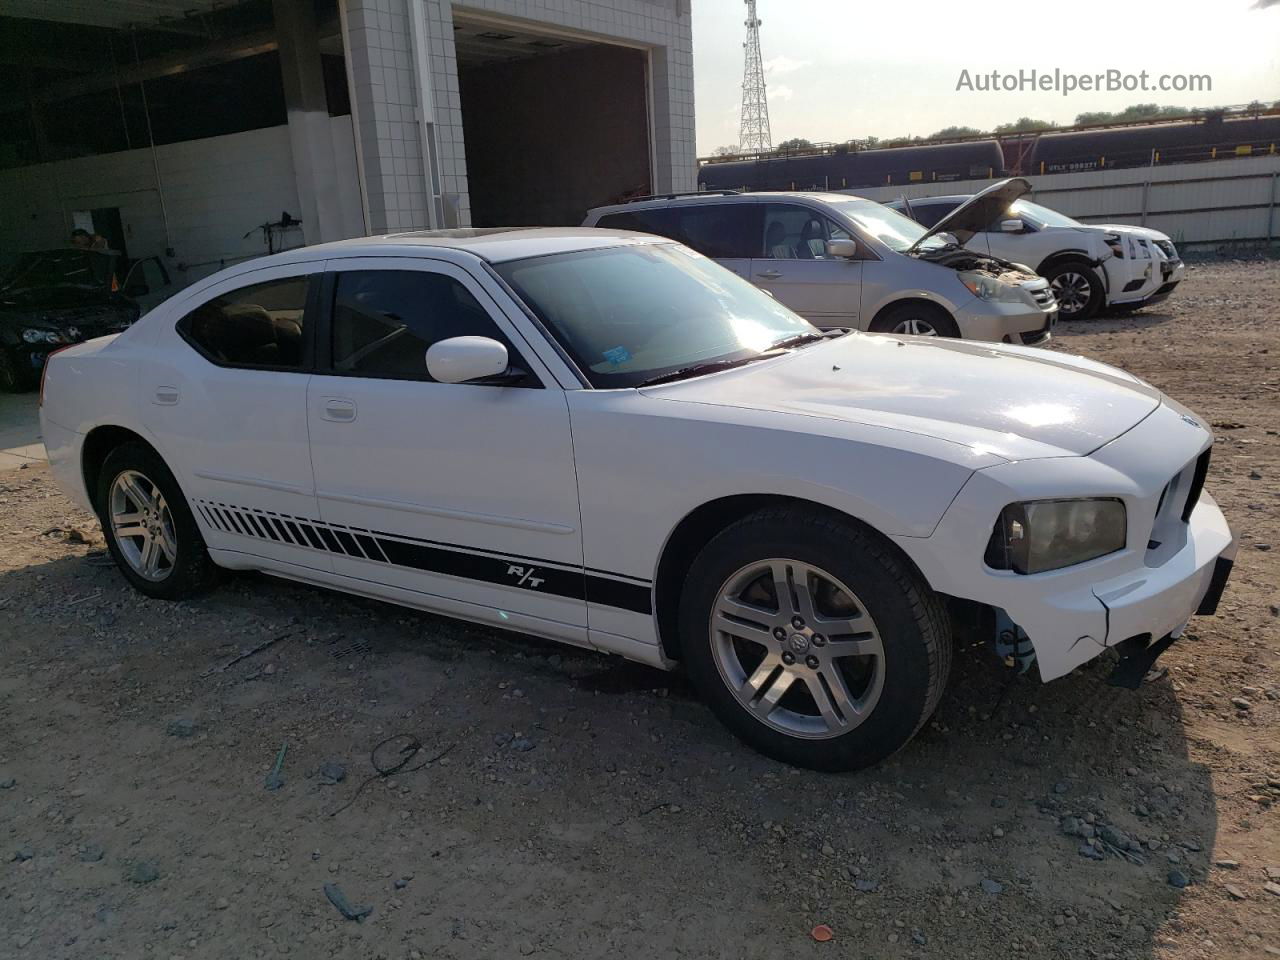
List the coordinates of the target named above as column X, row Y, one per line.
column 143, row 525
column 797, row 648
column 1073, row 291
column 916, row 326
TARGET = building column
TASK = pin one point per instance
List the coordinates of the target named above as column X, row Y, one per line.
column 310, row 139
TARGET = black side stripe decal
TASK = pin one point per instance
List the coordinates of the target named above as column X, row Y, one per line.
column 532, row 575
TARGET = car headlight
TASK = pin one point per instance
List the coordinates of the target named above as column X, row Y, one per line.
column 1042, row 535
column 32, row 335
column 989, row 288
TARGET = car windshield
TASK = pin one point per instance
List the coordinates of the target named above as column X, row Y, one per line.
column 895, row 230
column 634, row 313
column 58, row 268
column 1042, row 215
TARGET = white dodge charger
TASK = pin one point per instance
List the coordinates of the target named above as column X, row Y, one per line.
column 606, row 439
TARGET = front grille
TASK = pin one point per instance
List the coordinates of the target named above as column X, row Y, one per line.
column 1043, row 297
column 1197, row 485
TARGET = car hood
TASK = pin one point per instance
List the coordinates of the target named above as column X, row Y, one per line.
column 976, row 214
column 54, row 298
column 1145, row 232
column 1016, row 403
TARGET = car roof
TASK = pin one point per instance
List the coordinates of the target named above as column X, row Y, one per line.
column 492, row 244
column 712, row 196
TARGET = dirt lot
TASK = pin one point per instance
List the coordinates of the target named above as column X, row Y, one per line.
column 588, row 808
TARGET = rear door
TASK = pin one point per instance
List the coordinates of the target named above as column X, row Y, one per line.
column 795, row 267
column 458, row 491
column 225, row 396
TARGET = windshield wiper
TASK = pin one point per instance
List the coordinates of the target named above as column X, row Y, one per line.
column 802, row 338
column 711, row 366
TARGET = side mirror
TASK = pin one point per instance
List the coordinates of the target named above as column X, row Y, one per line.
column 844, row 249
column 466, row 359
column 1011, row 226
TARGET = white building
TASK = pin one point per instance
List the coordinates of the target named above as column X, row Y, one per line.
column 175, row 127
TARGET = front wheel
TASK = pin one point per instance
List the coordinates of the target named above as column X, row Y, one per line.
column 1077, row 287
column 917, row 319
column 812, row 640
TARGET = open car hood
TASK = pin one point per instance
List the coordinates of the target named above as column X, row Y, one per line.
column 976, row 214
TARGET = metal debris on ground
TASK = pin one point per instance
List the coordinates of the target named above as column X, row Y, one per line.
column 246, row 654
column 275, row 779
column 352, row 646
column 339, row 900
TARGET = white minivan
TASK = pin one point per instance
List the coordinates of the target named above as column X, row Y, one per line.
column 843, row 261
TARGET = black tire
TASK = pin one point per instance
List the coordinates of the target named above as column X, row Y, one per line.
column 1064, row 277
column 911, row 620
column 12, row 377
column 192, row 571
column 901, row 316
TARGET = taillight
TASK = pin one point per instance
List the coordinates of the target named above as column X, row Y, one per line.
column 44, row 370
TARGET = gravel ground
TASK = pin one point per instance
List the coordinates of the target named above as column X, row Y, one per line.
column 590, row 808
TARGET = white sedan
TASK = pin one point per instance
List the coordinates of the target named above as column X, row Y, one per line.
column 606, row 439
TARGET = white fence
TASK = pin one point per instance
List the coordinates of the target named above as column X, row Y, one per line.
column 1215, row 203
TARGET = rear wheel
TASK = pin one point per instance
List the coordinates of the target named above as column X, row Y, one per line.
column 812, row 640
column 916, row 318
column 148, row 526
column 1077, row 287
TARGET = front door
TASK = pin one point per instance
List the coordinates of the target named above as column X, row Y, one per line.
column 147, row 283
column 464, row 492
column 794, row 266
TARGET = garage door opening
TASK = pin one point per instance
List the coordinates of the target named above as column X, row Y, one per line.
column 554, row 125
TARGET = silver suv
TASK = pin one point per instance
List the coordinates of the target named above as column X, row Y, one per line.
column 842, row 261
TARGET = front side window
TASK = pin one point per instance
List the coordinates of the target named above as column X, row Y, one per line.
column 257, row 326
column 384, row 321
column 1042, row 215
column 793, row 232
column 631, row 313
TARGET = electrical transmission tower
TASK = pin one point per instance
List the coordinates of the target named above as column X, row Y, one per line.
column 753, row 134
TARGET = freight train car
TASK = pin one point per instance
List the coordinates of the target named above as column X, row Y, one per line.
column 841, row 167
column 1210, row 138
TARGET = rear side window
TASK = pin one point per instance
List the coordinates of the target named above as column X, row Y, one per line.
column 723, row 231
column 258, row 326
column 384, row 321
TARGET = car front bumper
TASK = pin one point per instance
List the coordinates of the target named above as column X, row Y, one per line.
column 1005, row 322
column 1146, row 591
column 1138, row 283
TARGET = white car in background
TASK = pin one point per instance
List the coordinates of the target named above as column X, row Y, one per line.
column 606, row 439
column 1090, row 266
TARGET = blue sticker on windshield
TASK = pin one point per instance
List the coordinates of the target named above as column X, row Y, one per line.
column 617, row 356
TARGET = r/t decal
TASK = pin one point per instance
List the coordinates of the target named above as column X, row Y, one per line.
column 527, row 575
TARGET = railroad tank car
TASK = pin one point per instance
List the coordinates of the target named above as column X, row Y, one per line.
column 844, row 169
column 1205, row 139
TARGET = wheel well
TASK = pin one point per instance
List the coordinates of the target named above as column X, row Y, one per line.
column 698, row 528
column 904, row 301
column 100, row 442
column 1056, row 258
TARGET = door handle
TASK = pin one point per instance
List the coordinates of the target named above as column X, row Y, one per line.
column 339, row 410
column 770, row 274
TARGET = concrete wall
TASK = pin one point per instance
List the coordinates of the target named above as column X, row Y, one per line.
column 1212, row 203
column 543, row 147
column 405, row 94
column 215, row 190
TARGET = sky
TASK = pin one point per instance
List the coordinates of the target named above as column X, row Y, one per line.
column 845, row 69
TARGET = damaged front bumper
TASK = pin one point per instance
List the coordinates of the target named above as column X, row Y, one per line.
column 1138, row 599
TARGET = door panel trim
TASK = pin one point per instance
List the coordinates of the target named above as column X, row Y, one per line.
column 256, row 482
column 525, row 573
column 538, row 526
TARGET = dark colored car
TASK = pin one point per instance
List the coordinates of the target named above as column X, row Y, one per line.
column 52, row 298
